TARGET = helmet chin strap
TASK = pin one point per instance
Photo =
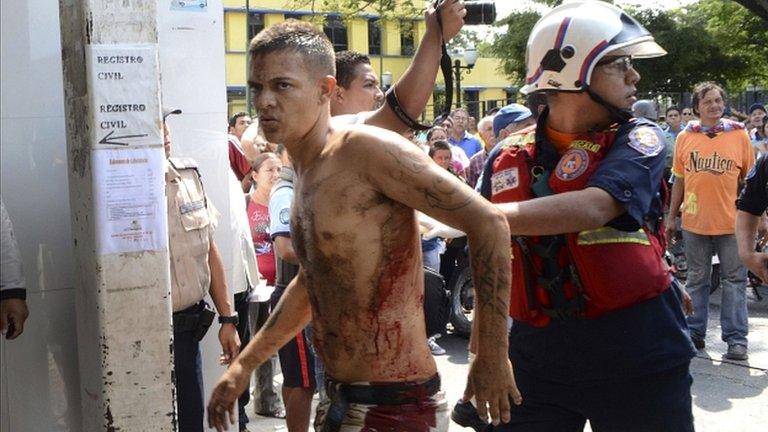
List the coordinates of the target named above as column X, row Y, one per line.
column 618, row 115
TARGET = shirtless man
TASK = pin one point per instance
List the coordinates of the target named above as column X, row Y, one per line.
column 357, row 239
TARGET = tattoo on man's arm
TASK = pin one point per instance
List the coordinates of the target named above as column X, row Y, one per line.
column 441, row 195
column 445, row 198
column 274, row 316
column 490, row 283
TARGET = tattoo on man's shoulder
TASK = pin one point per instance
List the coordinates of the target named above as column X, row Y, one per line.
column 405, row 160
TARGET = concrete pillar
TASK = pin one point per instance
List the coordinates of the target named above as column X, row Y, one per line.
column 118, row 214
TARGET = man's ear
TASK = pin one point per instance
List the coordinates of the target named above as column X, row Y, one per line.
column 329, row 90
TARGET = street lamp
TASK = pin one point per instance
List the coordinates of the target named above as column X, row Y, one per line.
column 386, row 80
column 470, row 58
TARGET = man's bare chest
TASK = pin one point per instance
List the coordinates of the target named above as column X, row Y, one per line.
column 344, row 216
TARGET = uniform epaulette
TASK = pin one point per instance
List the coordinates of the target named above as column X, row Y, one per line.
column 181, row 163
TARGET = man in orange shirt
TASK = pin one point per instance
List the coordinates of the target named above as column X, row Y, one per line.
column 712, row 156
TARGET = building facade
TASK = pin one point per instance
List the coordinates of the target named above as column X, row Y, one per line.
column 390, row 45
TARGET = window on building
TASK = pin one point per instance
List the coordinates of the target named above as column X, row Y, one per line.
column 374, row 36
column 336, row 31
column 407, row 37
column 255, row 24
column 471, row 101
column 292, row 16
column 489, row 105
column 511, row 96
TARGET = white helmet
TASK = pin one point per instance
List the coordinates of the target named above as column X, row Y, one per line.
column 566, row 43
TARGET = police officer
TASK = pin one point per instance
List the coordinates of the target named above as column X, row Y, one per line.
column 597, row 334
column 196, row 269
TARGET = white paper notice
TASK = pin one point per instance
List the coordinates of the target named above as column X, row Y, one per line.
column 129, row 190
column 124, row 93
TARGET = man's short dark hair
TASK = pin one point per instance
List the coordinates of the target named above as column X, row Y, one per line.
column 346, row 65
column 672, row 108
column 702, row 88
column 235, row 116
column 300, row 37
column 437, row 146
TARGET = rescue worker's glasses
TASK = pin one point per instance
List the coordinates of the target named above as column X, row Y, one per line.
column 620, row 64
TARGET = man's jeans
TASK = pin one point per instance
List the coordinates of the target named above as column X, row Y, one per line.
column 266, row 398
column 733, row 284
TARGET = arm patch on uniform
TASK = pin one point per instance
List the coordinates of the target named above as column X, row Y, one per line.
column 646, row 140
column 285, row 216
column 505, row 180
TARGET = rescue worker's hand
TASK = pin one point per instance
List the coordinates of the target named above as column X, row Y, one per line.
column 492, row 382
column 224, row 396
column 687, row 302
column 13, row 313
column 434, row 228
column 762, row 231
column 452, row 17
column 757, row 263
column 230, row 343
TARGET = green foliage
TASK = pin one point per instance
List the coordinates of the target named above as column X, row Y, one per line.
column 716, row 40
column 510, row 46
column 388, row 9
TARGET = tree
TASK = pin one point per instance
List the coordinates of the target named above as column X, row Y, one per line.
column 510, row 46
column 716, row 40
column 386, row 9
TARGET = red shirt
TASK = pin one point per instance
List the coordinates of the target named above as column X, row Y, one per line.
column 258, row 218
column 237, row 160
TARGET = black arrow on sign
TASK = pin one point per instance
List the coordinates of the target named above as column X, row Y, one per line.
column 109, row 139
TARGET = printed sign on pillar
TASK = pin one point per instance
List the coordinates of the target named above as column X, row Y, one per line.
column 125, row 95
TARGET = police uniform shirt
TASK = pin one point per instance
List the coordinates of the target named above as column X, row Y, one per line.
column 754, row 196
column 191, row 223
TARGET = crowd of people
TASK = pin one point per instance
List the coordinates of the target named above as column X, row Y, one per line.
column 551, row 199
column 579, row 178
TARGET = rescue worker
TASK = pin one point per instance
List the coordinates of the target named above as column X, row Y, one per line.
column 597, row 333
column 196, row 270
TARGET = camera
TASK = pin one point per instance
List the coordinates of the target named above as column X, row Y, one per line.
column 480, row 12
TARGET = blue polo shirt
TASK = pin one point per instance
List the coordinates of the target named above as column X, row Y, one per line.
column 469, row 144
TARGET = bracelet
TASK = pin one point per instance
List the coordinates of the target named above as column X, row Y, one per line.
column 394, row 104
column 234, row 319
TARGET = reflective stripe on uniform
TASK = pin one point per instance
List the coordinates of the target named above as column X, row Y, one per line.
column 606, row 235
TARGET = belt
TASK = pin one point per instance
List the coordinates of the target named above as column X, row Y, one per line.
column 401, row 393
column 186, row 319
